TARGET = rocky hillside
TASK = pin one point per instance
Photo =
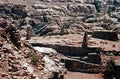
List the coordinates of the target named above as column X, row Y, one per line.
column 14, row 54
column 52, row 18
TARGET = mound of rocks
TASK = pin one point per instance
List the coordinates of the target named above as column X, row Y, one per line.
column 14, row 54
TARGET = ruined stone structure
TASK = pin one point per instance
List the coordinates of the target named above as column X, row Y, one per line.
column 108, row 35
column 77, row 65
column 85, row 39
column 69, row 50
column 94, row 58
column 56, row 19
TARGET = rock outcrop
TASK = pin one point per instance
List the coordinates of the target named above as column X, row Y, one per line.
column 12, row 54
column 16, row 11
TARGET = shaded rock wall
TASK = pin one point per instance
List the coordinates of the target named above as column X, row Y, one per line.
column 12, row 11
column 77, row 65
column 69, row 50
column 106, row 35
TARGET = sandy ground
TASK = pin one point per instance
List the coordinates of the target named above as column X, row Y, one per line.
column 79, row 75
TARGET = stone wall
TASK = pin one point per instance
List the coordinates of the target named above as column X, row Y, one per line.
column 77, row 65
column 94, row 58
column 69, row 50
column 105, row 35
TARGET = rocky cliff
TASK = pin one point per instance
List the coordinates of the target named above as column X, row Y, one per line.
column 51, row 18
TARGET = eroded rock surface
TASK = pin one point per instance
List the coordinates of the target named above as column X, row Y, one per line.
column 12, row 54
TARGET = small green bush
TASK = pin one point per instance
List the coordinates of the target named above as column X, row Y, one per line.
column 35, row 58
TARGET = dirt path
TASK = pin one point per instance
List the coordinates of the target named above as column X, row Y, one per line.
column 79, row 75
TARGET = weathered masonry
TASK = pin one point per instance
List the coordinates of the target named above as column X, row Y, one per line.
column 108, row 35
